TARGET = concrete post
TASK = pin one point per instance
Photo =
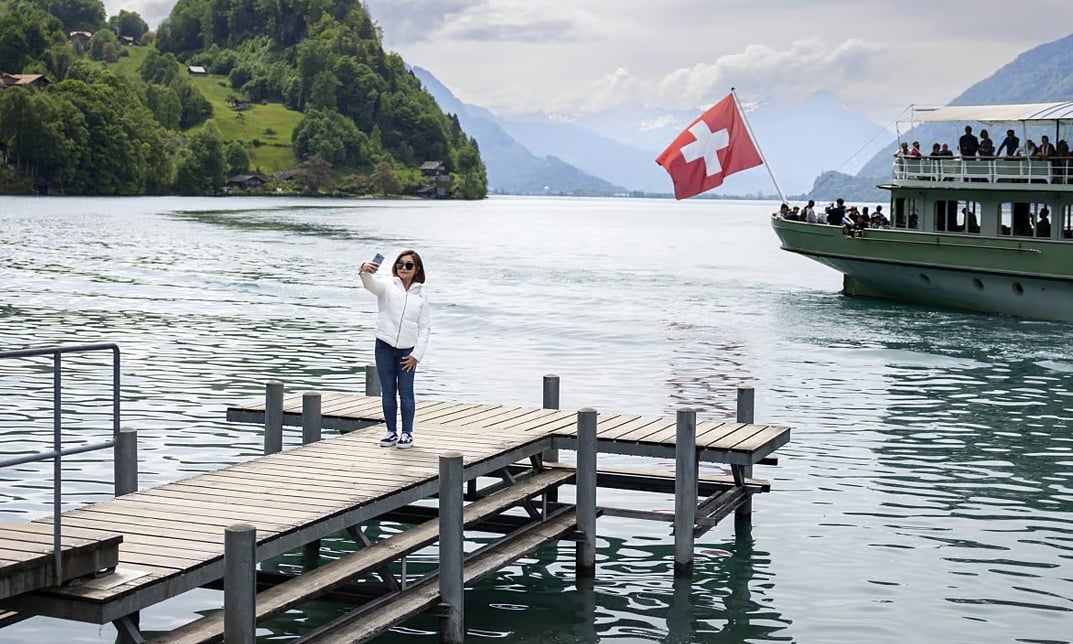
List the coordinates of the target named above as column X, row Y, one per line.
column 240, row 584
column 551, row 401
column 372, row 381
column 311, row 424
column 452, row 625
column 273, row 417
column 746, row 401
column 126, row 461
column 585, row 504
column 685, row 491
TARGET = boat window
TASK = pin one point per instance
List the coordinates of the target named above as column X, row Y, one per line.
column 1067, row 221
column 957, row 216
column 1019, row 218
column 905, row 213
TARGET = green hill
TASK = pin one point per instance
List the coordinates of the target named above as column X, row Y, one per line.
column 291, row 84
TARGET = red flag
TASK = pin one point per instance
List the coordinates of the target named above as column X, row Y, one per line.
column 714, row 146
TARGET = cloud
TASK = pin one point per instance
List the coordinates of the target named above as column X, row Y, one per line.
column 758, row 71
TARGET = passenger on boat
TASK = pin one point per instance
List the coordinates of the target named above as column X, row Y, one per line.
column 903, row 150
column 968, row 144
column 810, row 213
column 945, row 151
column 987, row 146
column 915, row 150
column 1043, row 226
column 1029, row 150
column 1010, row 144
column 935, row 150
column 835, row 213
column 971, row 223
column 879, row 220
column 1060, row 164
column 1045, row 149
column 784, row 211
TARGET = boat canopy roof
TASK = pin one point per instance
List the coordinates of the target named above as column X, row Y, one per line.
column 1049, row 112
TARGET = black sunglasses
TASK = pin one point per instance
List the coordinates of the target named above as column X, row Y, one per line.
column 407, row 265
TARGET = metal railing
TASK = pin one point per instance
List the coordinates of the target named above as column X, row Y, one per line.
column 1052, row 171
column 125, row 481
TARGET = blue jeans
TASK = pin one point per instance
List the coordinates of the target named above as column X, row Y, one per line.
column 395, row 382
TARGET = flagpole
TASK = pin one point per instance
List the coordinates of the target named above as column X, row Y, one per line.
column 749, row 129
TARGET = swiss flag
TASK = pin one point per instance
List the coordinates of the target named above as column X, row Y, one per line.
column 714, row 146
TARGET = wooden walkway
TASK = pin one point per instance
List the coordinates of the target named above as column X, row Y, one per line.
column 717, row 441
column 173, row 535
column 27, row 556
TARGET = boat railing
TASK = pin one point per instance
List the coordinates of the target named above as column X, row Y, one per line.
column 1054, row 170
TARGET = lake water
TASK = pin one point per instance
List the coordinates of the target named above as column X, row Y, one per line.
column 926, row 493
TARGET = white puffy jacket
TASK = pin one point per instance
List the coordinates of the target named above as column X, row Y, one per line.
column 404, row 319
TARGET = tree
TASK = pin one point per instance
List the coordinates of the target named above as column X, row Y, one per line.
column 164, row 103
column 316, row 174
column 128, row 23
column 76, row 15
column 202, row 167
column 238, row 161
column 384, row 180
column 99, row 40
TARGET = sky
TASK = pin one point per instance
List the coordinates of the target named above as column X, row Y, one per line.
column 585, row 56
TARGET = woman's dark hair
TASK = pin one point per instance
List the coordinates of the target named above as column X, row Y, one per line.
column 419, row 266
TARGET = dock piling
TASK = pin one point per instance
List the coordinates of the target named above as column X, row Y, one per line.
column 452, row 625
column 685, row 491
column 311, row 422
column 273, row 417
column 126, row 461
column 585, row 503
column 551, row 401
column 746, row 401
column 240, row 583
column 372, row 380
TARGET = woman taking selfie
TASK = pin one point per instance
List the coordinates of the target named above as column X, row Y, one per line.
column 402, row 330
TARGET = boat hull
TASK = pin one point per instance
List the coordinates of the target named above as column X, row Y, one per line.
column 1020, row 277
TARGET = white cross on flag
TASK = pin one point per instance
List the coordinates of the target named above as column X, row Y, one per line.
column 714, row 146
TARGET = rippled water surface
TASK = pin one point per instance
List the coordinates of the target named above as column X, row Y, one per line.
column 926, row 493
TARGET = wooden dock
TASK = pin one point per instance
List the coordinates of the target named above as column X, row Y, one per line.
column 173, row 535
column 28, row 561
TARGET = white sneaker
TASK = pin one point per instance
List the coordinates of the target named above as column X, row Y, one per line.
column 390, row 440
column 406, row 442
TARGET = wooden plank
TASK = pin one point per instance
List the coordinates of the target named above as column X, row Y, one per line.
column 325, row 578
column 638, row 435
column 638, row 423
column 728, row 441
column 27, row 559
column 363, row 625
column 716, row 433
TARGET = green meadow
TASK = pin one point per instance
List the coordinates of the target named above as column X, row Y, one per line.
column 263, row 129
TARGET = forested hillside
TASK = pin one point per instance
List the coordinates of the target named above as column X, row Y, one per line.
column 364, row 124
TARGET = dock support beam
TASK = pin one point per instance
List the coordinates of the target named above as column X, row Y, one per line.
column 685, row 491
column 240, row 584
column 452, row 625
column 311, row 422
column 585, row 503
column 746, row 400
column 126, row 461
column 273, row 417
column 551, row 401
column 372, row 380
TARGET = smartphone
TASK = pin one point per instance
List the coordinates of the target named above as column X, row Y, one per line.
column 378, row 259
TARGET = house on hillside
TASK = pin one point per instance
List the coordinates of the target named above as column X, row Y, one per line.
column 240, row 104
column 245, row 181
column 79, row 40
column 437, row 180
column 130, row 41
column 20, row 80
column 196, row 70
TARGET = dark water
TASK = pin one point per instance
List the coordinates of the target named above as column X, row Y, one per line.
column 926, row 495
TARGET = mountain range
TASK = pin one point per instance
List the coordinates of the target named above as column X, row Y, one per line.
column 612, row 152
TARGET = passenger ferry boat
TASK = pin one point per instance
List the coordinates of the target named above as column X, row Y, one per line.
column 965, row 232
